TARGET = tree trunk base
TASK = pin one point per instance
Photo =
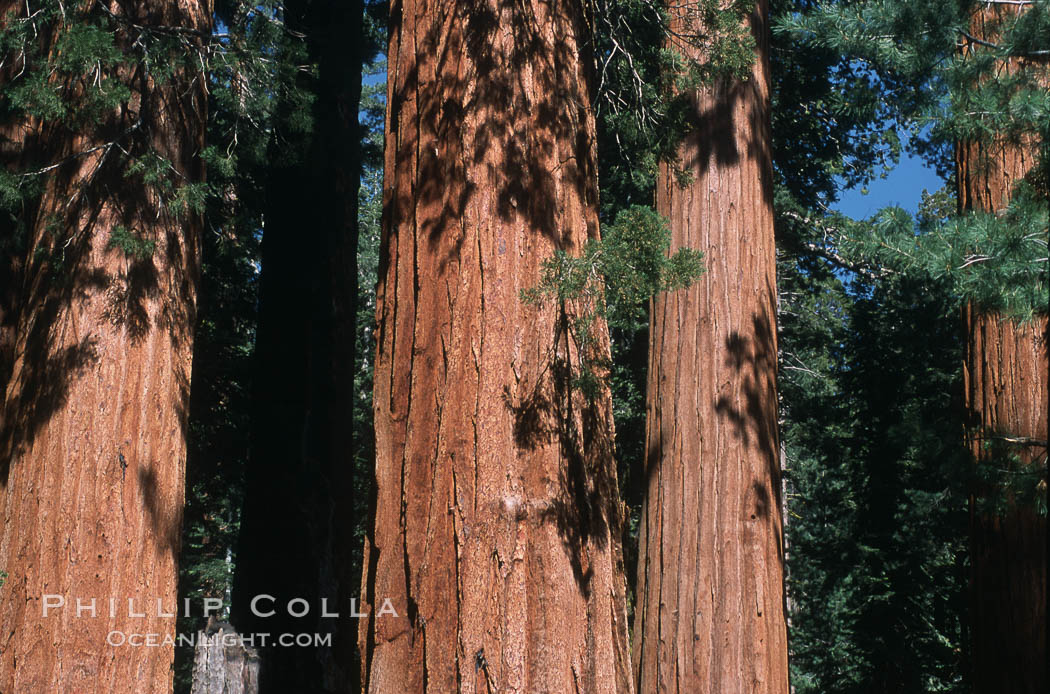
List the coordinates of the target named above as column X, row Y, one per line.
column 222, row 664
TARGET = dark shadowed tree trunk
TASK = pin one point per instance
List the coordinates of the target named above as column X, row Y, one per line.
column 296, row 532
column 93, row 445
column 13, row 132
column 710, row 611
column 1006, row 395
column 12, row 257
column 496, row 524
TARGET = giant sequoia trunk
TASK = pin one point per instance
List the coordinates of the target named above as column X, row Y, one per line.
column 1005, row 378
column 496, row 522
column 296, row 532
column 710, row 611
column 1006, row 394
column 93, row 443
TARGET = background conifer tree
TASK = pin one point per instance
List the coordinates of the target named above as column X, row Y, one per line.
column 986, row 94
column 302, row 434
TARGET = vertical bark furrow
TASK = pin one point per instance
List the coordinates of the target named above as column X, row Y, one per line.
column 1006, row 393
column 92, row 452
column 504, row 508
column 1006, row 399
column 710, row 610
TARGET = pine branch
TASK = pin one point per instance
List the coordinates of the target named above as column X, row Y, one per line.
column 981, row 42
column 1018, row 440
column 831, row 234
column 76, row 155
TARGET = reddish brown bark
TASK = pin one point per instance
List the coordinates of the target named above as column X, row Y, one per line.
column 987, row 170
column 710, row 611
column 1006, row 396
column 93, row 445
column 497, row 525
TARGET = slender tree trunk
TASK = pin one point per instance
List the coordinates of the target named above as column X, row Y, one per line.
column 93, row 446
column 1006, row 396
column 496, row 524
column 296, row 532
column 710, row 614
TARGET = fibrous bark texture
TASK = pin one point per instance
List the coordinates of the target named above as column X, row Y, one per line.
column 296, row 532
column 987, row 170
column 1006, row 396
column 93, row 444
column 497, row 525
column 222, row 664
column 710, row 611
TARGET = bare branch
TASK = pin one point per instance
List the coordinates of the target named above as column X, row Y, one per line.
column 823, row 251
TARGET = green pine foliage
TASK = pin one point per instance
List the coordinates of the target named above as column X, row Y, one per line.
column 998, row 261
column 876, row 509
column 132, row 243
column 876, row 471
column 74, row 78
column 370, row 211
column 76, row 70
column 834, row 126
column 944, row 86
column 611, row 279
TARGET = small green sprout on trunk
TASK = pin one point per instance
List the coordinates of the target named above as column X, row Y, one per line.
column 132, row 243
column 613, row 279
